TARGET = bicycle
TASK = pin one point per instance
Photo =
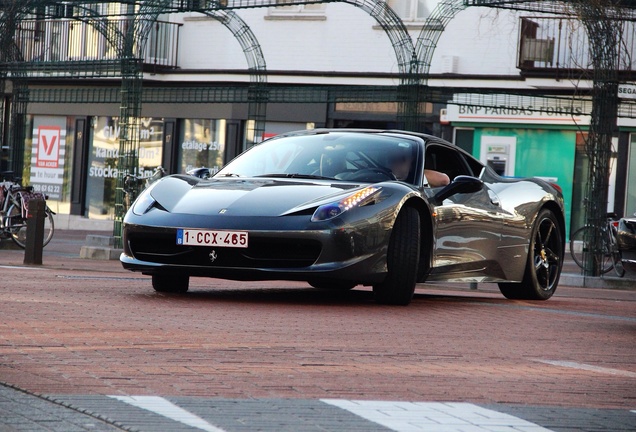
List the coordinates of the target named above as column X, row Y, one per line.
column 133, row 185
column 583, row 250
column 14, row 210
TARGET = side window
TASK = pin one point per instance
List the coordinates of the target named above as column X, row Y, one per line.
column 445, row 160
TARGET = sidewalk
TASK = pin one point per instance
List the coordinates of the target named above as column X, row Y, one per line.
column 64, row 252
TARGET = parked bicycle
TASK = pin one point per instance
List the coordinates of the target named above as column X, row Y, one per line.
column 133, row 185
column 14, row 210
column 584, row 250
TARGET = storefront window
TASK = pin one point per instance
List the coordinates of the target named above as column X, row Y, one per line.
column 103, row 160
column 202, row 144
column 581, row 169
column 49, row 159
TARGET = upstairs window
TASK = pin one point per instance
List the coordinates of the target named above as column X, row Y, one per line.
column 296, row 10
column 412, row 10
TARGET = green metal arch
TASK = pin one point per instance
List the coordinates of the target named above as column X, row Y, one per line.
column 413, row 90
column 433, row 28
column 395, row 29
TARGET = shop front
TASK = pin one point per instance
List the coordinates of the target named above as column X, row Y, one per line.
column 528, row 142
column 547, row 142
column 74, row 159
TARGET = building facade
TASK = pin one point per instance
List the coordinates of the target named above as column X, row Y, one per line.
column 499, row 86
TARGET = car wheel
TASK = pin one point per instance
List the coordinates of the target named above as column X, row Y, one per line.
column 545, row 260
column 403, row 256
column 170, row 283
column 333, row 285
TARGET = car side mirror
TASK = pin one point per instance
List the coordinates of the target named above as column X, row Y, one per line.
column 460, row 184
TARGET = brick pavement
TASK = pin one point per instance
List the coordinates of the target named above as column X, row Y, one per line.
column 288, row 365
column 64, row 252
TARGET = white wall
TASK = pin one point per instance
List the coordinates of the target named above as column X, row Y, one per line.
column 483, row 40
column 344, row 42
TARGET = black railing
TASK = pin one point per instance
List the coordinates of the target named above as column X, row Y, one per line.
column 560, row 45
column 66, row 40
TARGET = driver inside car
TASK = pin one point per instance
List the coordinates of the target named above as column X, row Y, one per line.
column 401, row 167
column 436, row 178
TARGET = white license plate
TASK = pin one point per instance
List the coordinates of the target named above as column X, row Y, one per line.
column 197, row 237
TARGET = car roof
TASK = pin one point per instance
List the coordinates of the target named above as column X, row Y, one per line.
column 361, row 131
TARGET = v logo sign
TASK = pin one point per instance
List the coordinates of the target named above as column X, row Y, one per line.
column 48, row 148
column 49, row 143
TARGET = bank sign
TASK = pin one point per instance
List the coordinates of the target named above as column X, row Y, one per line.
column 525, row 114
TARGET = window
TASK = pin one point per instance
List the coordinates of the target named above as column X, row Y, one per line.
column 201, row 144
column 445, row 160
column 412, row 10
column 296, row 10
column 103, row 161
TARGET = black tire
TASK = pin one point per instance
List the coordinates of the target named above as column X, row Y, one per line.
column 403, row 256
column 544, row 263
column 18, row 228
column 618, row 264
column 175, row 284
column 332, row 285
column 617, row 255
column 581, row 250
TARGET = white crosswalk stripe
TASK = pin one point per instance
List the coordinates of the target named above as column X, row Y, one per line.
column 438, row 416
column 161, row 406
column 397, row 416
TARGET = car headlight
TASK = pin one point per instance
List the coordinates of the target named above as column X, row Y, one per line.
column 333, row 209
column 143, row 203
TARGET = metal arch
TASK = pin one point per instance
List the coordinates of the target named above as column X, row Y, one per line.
column 257, row 93
column 246, row 38
column 146, row 12
column 132, row 81
column 433, row 28
column 130, row 43
column 394, row 29
column 9, row 52
column 377, row 9
column 413, row 90
column 601, row 19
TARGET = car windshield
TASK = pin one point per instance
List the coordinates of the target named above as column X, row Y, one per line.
column 360, row 157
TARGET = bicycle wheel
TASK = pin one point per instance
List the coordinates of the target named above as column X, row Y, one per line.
column 18, row 228
column 583, row 252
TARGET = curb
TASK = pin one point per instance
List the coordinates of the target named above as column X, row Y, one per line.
column 581, row 281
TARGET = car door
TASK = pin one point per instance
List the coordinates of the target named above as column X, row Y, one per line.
column 466, row 226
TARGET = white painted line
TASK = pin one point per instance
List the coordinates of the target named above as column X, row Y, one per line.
column 439, row 416
column 161, row 406
column 21, row 267
column 583, row 366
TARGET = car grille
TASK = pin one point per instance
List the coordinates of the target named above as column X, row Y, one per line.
column 261, row 253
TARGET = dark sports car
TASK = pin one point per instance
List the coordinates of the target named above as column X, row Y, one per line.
column 626, row 239
column 339, row 208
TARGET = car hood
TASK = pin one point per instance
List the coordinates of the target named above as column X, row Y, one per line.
column 245, row 196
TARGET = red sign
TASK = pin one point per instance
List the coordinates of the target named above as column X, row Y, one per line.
column 48, row 146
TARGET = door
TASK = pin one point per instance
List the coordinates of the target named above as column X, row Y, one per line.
column 467, row 226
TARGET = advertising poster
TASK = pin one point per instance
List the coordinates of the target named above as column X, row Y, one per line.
column 202, row 144
column 47, row 156
column 103, row 160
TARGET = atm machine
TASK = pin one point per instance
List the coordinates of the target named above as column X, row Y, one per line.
column 499, row 154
